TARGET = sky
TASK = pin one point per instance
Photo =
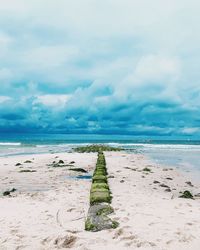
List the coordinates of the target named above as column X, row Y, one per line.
column 109, row 66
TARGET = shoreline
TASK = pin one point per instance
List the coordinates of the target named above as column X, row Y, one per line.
column 51, row 215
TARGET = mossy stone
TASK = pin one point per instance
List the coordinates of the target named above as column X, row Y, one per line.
column 89, row 226
column 99, row 197
column 115, row 224
column 100, row 185
column 187, row 195
column 100, row 172
column 99, row 179
column 99, row 190
column 147, row 169
column 105, row 210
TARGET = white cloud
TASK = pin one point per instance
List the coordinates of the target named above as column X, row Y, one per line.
column 4, row 99
column 45, row 57
column 57, row 101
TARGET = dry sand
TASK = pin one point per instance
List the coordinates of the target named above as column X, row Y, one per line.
column 48, row 209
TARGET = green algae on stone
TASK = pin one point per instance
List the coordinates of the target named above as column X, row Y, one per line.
column 147, row 169
column 105, row 210
column 100, row 196
column 99, row 179
column 89, row 226
column 115, row 224
column 96, row 148
column 93, row 190
column 187, row 195
column 98, row 220
column 100, row 185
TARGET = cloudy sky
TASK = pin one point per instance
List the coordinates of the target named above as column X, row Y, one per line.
column 109, row 66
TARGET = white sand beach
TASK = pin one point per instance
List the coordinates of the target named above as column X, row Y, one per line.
column 49, row 208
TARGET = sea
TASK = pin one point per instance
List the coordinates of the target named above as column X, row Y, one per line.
column 179, row 152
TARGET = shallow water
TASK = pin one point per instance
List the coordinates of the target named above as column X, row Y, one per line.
column 82, row 177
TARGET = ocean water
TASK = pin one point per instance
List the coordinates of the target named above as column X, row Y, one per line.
column 182, row 153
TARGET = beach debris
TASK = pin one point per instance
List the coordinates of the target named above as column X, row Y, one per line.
column 18, row 164
column 96, row 148
column 100, row 199
column 28, row 161
column 187, row 195
column 6, row 193
column 79, row 170
column 189, row 183
column 27, row 171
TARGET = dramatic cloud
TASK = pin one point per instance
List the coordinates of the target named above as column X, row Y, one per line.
column 93, row 66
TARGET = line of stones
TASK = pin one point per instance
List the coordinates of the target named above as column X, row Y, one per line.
column 100, row 199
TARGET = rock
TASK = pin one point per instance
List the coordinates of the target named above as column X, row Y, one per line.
column 27, row 171
column 18, row 164
column 28, row 161
column 9, row 191
column 187, row 195
column 197, row 195
column 97, row 218
column 79, row 170
column 189, row 183
column 156, row 182
column 163, row 185
column 6, row 193
column 146, row 169
column 61, row 162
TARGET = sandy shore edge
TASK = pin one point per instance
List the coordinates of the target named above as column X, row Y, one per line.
column 48, row 209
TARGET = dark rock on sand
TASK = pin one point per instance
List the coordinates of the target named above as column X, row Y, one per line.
column 28, row 161
column 18, row 164
column 79, row 170
column 9, row 191
column 61, row 162
column 163, row 185
column 189, row 183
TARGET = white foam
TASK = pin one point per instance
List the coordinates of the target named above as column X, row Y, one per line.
column 10, row 144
